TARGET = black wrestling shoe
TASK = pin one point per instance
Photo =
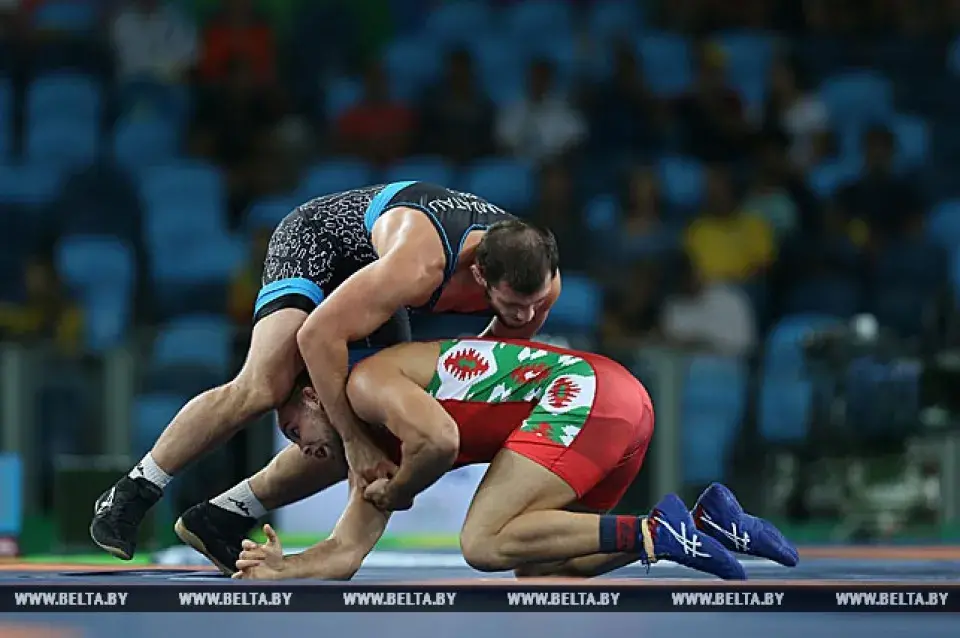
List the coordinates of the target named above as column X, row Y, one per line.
column 118, row 512
column 216, row 533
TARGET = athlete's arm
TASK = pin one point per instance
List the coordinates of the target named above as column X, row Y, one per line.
column 498, row 329
column 410, row 269
column 353, row 538
column 430, row 439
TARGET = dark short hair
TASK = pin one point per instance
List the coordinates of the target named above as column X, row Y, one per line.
column 302, row 381
column 519, row 254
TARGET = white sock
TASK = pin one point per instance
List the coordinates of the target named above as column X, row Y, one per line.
column 148, row 469
column 241, row 500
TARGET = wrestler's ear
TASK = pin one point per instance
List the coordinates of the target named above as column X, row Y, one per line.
column 310, row 396
column 478, row 275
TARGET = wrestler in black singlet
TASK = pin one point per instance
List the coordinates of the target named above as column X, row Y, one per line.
column 324, row 241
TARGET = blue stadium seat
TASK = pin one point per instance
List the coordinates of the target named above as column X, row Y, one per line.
column 269, row 212
column 683, row 181
column 100, row 270
column 66, row 15
column 706, row 441
column 857, row 98
column 712, row 410
column 139, row 143
column 151, row 415
column 190, row 271
column 67, row 143
column 943, row 224
column 785, row 408
column 536, row 19
column 498, row 68
column 577, row 311
column 749, row 56
column 57, row 95
column 667, row 63
column 456, row 23
column 202, row 341
column 30, row 185
column 340, row 94
column 912, row 135
column 717, row 382
column 602, row 214
column 506, row 183
column 335, row 176
column 186, row 184
column 146, row 98
column 824, row 180
column 434, row 170
column 412, row 64
column 784, row 346
column 613, row 19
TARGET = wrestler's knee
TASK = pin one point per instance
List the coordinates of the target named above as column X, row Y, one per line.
column 483, row 551
column 253, row 392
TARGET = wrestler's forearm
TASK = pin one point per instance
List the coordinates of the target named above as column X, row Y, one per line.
column 423, row 464
column 329, row 560
column 327, row 360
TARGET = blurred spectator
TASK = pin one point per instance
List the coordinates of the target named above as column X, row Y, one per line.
column 233, row 123
column 708, row 317
column 712, row 115
column 153, row 41
column 632, row 306
column 770, row 199
column 726, row 243
column 457, row 118
column 887, row 203
column 377, row 129
column 796, row 114
column 559, row 210
column 642, row 231
column 245, row 283
column 47, row 314
column 623, row 114
column 542, row 125
column 238, row 35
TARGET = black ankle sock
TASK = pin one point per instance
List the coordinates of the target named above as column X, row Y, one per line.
column 619, row 534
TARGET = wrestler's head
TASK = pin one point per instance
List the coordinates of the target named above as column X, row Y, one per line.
column 305, row 423
column 516, row 264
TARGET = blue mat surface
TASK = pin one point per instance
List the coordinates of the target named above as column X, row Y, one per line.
column 513, row 625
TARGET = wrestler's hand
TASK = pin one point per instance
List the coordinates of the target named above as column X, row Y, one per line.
column 261, row 561
column 384, row 498
column 367, row 462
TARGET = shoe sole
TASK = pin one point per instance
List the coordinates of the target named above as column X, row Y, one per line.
column 116, row 552
column 194, row 541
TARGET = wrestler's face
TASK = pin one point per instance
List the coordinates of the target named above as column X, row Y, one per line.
column 511, row 308
column 304, row 422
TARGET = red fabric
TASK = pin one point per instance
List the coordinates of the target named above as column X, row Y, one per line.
column 223, row 44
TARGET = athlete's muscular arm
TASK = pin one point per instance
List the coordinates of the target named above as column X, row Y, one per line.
column 340, row 556
column 430, row 439
column 410, row 269
column 498, row 329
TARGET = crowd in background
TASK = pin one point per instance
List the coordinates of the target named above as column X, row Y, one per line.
column 266, row 90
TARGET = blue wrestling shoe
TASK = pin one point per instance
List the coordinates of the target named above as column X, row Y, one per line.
column 719, row 514
column 676, row 538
